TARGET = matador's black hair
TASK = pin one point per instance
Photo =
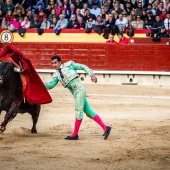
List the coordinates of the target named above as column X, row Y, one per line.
column 56, row 57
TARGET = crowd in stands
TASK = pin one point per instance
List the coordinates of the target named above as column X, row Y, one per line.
column 107, row 16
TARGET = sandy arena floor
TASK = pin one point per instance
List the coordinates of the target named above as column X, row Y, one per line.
column 139, row 140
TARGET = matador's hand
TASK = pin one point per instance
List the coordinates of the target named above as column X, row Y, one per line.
column 94, row 78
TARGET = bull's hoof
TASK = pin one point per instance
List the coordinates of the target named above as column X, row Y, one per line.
column 34, row 131
column 2, row 129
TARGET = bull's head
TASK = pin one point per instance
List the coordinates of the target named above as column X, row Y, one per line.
column 7, row 70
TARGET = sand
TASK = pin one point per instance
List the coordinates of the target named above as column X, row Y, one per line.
column 139, row 140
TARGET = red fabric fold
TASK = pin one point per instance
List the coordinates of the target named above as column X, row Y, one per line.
column 33, row 88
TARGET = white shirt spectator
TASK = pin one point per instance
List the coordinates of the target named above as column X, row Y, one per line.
column 25, row 24
column 122, row 24
column 45, row 25
column 62, row 23
column 167, row 23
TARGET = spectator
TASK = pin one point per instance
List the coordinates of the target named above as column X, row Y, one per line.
column 63, row 11
column 110, row 3
column 122, row 39
column 111, row 40
column 9, row 17
column 88, row 15
column 4, row 23
column 83, row 10
column 90, row 4
column 78, row 14
column 78, row 4
column 89, row 24
column 41, row 15
column 128, row 8
column 144, row 16
column 59, row 8
column 167, row 5
column 18, row 8
column 106, row 8
column 35, row 23
column 114, row 13
column 110, row 26
column 8, row 6
column 104, row 15
column 167, row 21
column 162, row 32
column 42, row 5
column 133, row 14
column 40, row 8
column 124, row 14
column 156, row 26
column 168, row 43
column 150, row 21
column 95, row 10
column 139, row 9
column 53, row 23
column 122, row 23
column 45, row 24
column 53, row 14
column 48, row 10
column 27, row 5
column 15, row 22
column 61, row 23
column 138, row 23
column 149, row 8
column 163, row 15
column 80, row 23
column 159, row 9
column 29, row 15
column 117, row 8
column 129, row 18
column 71, row 11
column 73, row 22
column 99, row 24
column 156, row 3
column 20, row 16
column 52, row 4
column 25, row 23
column 66, row 5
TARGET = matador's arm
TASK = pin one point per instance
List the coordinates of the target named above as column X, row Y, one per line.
column 83, row 67
column 52, row 84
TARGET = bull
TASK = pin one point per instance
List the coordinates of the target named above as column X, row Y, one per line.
column 11, row 96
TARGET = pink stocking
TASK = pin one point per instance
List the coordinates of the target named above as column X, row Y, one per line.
column 100, row 122
column 76, row 128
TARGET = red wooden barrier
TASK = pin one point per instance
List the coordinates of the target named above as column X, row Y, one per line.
column 136, row 57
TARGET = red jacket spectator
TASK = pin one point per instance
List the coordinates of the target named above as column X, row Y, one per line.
column 122, row 39
column 41, row 15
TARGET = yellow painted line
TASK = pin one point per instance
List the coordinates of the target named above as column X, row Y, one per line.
column 65, row 37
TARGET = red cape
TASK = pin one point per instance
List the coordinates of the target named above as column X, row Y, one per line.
column 33, row 88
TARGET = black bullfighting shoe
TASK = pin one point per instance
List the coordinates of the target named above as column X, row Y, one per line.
column 107, row 132
column 72, row 138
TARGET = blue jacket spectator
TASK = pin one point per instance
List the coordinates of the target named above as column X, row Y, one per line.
column 95, row 10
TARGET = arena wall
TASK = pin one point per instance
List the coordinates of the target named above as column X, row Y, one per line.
column 142, row 61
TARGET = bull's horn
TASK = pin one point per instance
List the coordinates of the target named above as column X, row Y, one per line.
column 17, row 70
column 21, row 66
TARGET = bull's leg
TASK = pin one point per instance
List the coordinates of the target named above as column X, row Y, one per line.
column 12, row 112
column 35, row 114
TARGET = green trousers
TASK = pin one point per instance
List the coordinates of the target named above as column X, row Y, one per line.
column 81, row 103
